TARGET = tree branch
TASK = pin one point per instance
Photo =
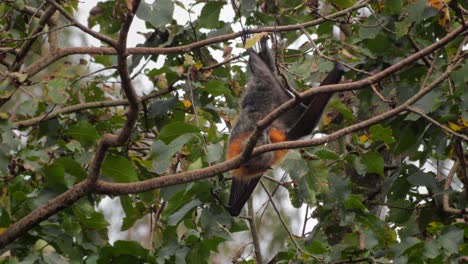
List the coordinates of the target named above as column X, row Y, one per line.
column 433, row 121
column 84, row 106
column 79, row 190
column 51, row 58
column 446, row 198
column 111, row 42
column 253, row 231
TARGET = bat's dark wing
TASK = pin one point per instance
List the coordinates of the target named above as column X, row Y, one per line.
column 309, row 119
column 240, row 193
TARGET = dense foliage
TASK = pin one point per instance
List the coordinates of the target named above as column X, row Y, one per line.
column 390, row 190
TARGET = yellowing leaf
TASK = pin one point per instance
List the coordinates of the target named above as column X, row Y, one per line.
column 464, row 122
column 187, row 103
column 249, row 43
column 454, row 126
column 363, row 138
column 2, row 229
column 198, row 65
column 326, row 120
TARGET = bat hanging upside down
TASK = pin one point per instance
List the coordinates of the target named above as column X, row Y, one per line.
column 263, row 95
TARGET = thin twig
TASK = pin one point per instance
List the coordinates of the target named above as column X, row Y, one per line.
column 382, row 98
column 433, row 121
column 253, row 231
column 426, row 60
column 319, row 52
column 446, row 198
column 84, row 28
column 298, row 248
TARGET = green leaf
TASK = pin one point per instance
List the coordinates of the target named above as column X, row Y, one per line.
column 93, row 220
column 374, row 162
column 56, row 91
column 451, row 240
column 354, row 202
column 327, row 154
column 209, row 17
column 175, row 130
column 132, row 248
column 72, row 167
column 415, row 10
column 119, row 168
column 176, row 217
column 215, row 152
column 159, row 108
column 371, row 27
column 131, row 213
column 161, row 153
column 55, row 177
column 103, row 14
column 357, row 163
column 217, row 88
column 159, row 13
column 393, row 7
column 432, row 249
column 84, row 132
column 423, row 179
column 404, row 244
column 342, row 109
column 378, row 132
column 6, row 89
column 316, row 247
column 402, row 28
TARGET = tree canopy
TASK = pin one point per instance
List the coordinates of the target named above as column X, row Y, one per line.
column 383, row 177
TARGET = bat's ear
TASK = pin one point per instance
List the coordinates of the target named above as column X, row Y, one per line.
column 240, row 193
